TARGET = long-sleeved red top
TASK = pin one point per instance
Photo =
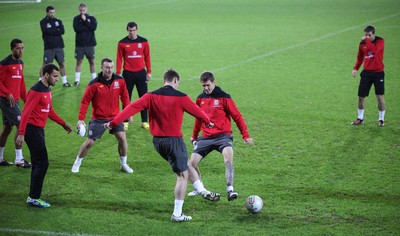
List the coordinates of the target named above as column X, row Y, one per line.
column 166, row 107
column 135, row 54
column 12, row 78
column 104, row 96
column 38, row 107
column 371, row 54
column 220, row 107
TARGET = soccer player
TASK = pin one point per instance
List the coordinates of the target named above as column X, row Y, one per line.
column 85, row 41
column 370, row 52
column 221, row 108
column 12, row 88
column 52, row 31
column 38, row 107
column 134, row 52
column 104, row 92
column 166, row 108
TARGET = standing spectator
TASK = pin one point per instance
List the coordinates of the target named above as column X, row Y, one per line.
column 38, row 107
column 12, row 88
column 166, row 108
column 104, row 92
column 221, row 108
column 52, row 31
column 134, row 51
column 85, row 41
column 370, row 52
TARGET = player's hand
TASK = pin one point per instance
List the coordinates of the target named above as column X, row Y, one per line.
column 210, row 125
column 79, row 123
column 354, row 73
column 249, row 141
column 148, row 77
column 67, row 127
column 130, row 120
column 20, row 139
column 83, row 16
column 11, row 100
column 107, row 126
column 193, row 141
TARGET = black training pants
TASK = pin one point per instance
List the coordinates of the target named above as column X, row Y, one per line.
column 34, row 138
column 138, row 79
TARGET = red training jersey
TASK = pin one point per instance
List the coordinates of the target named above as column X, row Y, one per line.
column 135, row 54
column 12, row 78
column 104, row 96
column 371, row 53
column 38, row 107
column 220, row 107
column 166, row 106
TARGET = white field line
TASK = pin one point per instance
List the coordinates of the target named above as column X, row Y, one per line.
column 41, row 232
column 265, row 55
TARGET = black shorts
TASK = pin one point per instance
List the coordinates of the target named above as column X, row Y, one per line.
column 96, row 129
column 206, row 145
column 80, row 52
column 51, row 54
column 173, row 150
column 11, row 115
column 371, row 78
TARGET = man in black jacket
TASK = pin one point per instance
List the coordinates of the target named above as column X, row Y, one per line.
column 52, row 31
column 85, row 41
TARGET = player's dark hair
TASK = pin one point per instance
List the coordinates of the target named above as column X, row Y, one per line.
column 49, row 68
column 106, row 59
column 370, row 28
column 207, row 76
column 82, row 5
column 14, row 43
column 49, row 8
column 131, row 25
column 170, row 74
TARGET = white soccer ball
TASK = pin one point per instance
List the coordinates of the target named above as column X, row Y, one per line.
column 82, row 130
column 254, row 204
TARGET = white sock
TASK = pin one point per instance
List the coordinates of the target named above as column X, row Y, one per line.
column 229, row 189
column 381, row 115
column 178, row 207
column 18, row 155
column 77, row 76
column 1, row 153
column 198, row 185
column 94, row 75
column 123, row 160
column 360, row 114
column 78, row 160
column 64, row 79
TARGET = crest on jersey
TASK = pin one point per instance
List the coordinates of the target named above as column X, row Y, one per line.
column 216, row 103
column 139, row 45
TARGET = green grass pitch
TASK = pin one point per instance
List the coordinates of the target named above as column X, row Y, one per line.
column 287, row 64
